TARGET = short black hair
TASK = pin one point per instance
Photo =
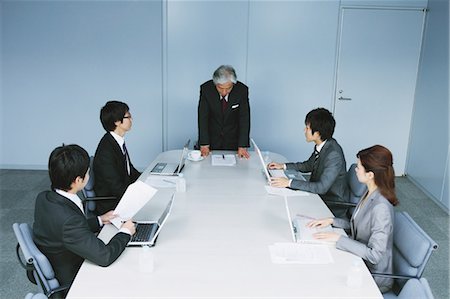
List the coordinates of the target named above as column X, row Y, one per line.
column 66, row 163
column 321, row 120
column 110, row 113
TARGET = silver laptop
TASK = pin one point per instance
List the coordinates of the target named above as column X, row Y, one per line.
column 148, row 231
column 276, row 173
column 300, row 232
column 166, row 168
column 292, row 228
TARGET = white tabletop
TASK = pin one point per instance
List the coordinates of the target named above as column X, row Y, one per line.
column 215, row 244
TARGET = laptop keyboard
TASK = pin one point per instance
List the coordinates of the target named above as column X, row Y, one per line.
column 143, row 231
column 159, row 167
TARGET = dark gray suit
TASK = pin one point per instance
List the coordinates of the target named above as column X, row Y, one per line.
column 66, row 237
column 371, row 236
column 328, row 175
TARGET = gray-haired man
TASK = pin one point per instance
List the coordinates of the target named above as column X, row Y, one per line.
column 224, row 114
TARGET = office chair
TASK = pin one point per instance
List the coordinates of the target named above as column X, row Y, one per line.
column 39, row 270
column 35, row 296
column 414, row 288
column 411, row 251
column 356, row 191
column 89, row 194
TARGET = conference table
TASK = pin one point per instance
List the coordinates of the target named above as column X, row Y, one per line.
column 215, row 243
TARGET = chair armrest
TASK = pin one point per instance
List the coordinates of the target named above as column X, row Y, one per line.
column 58, row 290
column 97, row 198
column 395, row 276
column 340, row 203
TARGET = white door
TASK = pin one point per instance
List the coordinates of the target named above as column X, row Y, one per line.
column 377, row 63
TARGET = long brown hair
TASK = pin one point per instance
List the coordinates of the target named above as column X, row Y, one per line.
column 378, row 159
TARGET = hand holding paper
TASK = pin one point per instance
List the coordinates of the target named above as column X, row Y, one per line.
column 135, row 197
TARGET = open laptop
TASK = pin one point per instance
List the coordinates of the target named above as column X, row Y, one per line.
column 148, row 231
column 300, row 232
column 292, row 228
column 166, row 168
column 276, row 173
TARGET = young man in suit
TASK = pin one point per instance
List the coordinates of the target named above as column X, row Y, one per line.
column 224, row 114
column 113, row 169
column 326, row 164
column 61, row 230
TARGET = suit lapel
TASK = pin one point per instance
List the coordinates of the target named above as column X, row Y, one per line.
column 118, row 153
column 55, row 197
column 361, row 216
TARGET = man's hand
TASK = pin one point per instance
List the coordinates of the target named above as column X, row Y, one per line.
column 242, row 153
column 130, row 226
column 279, row 182
column 204, row 149
column 274, row 165
column 106, row 218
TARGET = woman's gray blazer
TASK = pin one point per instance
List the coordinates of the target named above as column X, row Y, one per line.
column 371, row 235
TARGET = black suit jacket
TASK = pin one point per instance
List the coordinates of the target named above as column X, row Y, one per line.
column 224, row 131
column 66, row 237
column 110, row 172
column 328, row 175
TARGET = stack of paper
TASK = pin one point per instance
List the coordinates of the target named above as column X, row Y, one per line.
column 223, row 160
column 293, row 253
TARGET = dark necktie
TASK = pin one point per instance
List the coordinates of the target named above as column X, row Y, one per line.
column 316, row 154
column 224, row 104
column 125, row 154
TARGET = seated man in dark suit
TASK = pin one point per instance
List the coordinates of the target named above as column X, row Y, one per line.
column 224, row 114
column 61, row 230
column 326, row 164
column 113, row 169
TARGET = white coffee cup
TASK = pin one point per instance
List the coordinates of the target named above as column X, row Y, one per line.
column 195, row 155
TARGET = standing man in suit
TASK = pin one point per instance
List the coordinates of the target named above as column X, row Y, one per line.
column 61, row 230
column 113, row 169
column 326, row 164
column 224, row 114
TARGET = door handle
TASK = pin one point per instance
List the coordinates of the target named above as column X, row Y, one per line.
column 344, row 99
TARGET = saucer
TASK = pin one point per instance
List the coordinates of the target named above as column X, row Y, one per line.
column 193, row 160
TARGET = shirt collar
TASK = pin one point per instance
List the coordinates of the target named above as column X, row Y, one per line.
column 226, row 97
column 119, row 139
column 320, row 146
column 72, row 197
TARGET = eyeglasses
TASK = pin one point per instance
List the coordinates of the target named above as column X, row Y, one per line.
column 128, row 116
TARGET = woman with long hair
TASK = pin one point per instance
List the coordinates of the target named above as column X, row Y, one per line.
column 373, row 219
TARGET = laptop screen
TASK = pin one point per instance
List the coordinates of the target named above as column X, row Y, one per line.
column 261, row 160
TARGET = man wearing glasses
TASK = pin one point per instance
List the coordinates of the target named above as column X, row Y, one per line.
column 113, row 169
column 224, row 114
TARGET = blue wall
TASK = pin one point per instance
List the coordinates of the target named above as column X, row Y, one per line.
column 62, row 60
column 429, row 142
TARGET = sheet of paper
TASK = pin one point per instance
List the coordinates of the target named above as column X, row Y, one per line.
column 159, row 181
column 134, row 198
column 293, row 253
column 223, row 160
column 285, row 191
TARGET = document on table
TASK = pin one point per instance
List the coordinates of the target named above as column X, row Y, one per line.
column 223, row 160
column 134, row 198
column 285, row 191
column 294, row 253
column 159, row 181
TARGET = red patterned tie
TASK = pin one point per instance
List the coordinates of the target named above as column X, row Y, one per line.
column 224, row 104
